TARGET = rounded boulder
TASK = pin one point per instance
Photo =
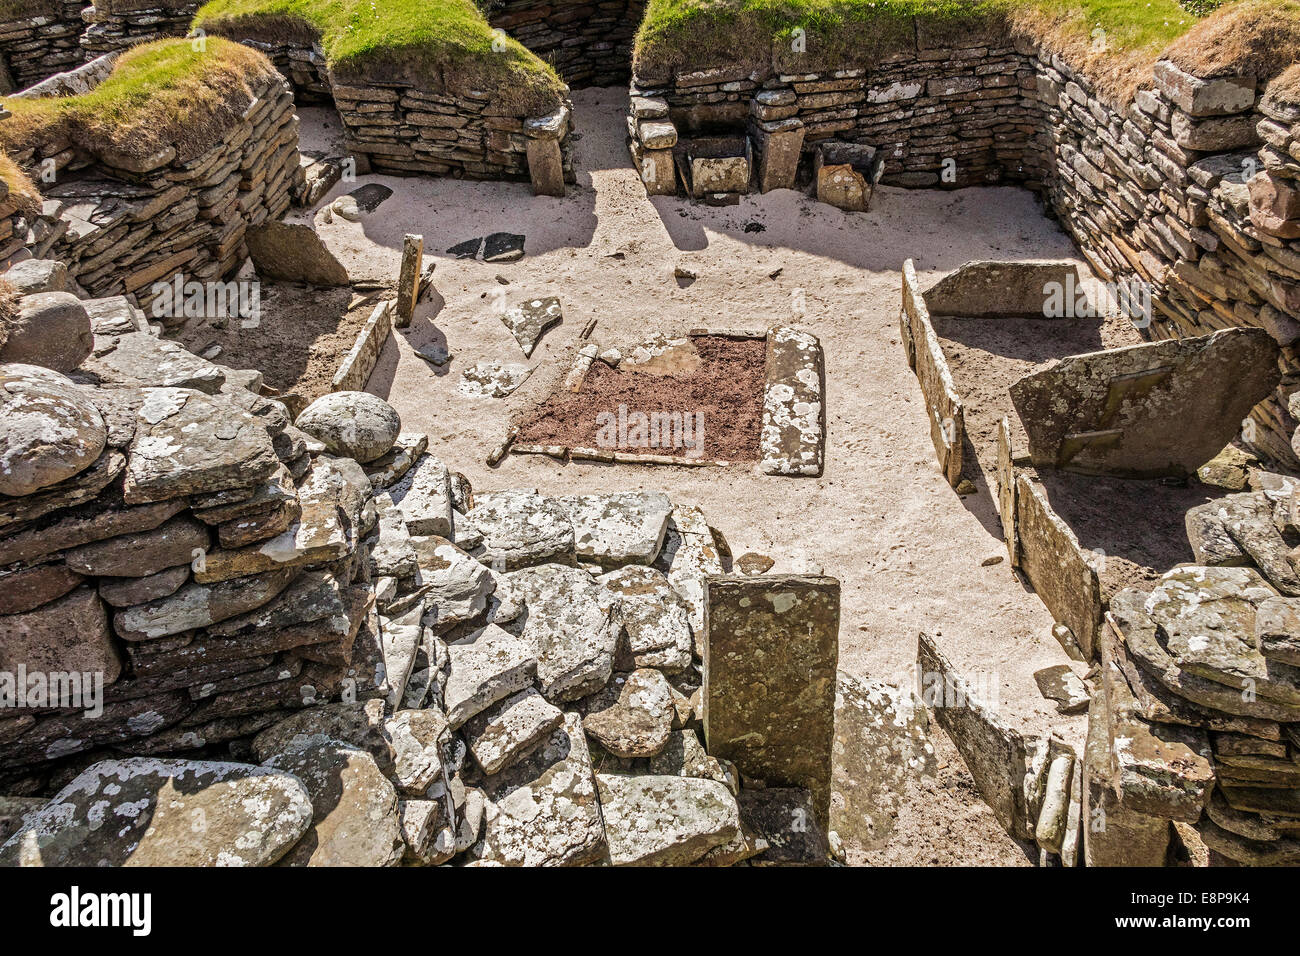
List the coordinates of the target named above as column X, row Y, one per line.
column 49, row 429
column 356, row 425
column 50, row 329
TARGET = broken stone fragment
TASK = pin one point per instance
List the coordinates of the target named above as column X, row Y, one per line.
column 501, row 735
column 141, row 811
column 1277, row 630
column 354, row 807
column 1061, row 684
column 429, row 835
column 618, row 528
column 633, row 715
column 457, row 586
column 573, row 623
column 331, row 499
column 656, row 619
column 416, row 738
column 528, row 320
column 423, row 496
column 665, row 821
column 50, row 430
column 492, row 379
column 355, row 425
column 392, row 554
column 557, row 774
column 488, row 664
column 520, row 528
column 353, row 723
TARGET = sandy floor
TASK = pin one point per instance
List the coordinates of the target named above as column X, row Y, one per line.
column 909, row 553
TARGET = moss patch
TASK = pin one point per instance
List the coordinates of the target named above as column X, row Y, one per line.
column 161, row 94
column 433, row 44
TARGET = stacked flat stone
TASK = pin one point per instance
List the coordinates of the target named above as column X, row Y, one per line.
column 114, row 25
column 1200, row 719
column 33, row 48
column 164, row 529
column 588, row 43
column 122, row 224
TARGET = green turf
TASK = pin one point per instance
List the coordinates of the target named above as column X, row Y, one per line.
column 446, row 43
column 851, row 32
column 166, row 93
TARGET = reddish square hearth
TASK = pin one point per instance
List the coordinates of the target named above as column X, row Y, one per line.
column 695, row 398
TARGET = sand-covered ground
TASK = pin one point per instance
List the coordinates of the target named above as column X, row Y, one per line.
column 910, row 554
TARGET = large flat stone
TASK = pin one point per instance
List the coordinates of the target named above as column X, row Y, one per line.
column 770, row 656
column 528, row 320
column 142, row 812
column 618, row 528
column 794, row 410
column 996, row 288
column 1146, row 411
column 544, row 810
column 665, row 821
column 520, row 528
column 573, row 623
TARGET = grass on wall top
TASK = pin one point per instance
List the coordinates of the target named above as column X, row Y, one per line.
column 1115, row 42
column 160, row 94
column 434, row 44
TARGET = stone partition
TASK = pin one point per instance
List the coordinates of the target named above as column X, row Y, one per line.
column 37, row 46
column 589, row 42
column 1190, row 189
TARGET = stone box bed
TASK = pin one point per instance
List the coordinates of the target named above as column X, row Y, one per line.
column 1077, row 538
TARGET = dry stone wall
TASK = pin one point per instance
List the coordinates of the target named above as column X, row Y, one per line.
column 33, row 48
column 122, row 224
column 1191, row 190
column 114, row 25
column 588, row 43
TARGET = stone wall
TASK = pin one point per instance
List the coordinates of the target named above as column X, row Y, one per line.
column 1192, row 188
column 32, row 48
column 121, row 224
column 117, row 24
column 588, row 43
column 395, row 127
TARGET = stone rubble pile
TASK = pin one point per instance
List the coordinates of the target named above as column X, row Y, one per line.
column 320, row 614
column 1199, row 721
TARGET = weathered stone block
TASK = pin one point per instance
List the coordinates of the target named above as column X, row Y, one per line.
column 770, row 655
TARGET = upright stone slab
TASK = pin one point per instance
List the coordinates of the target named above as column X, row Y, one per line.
column 1146, row 411
column 779, row 145
column 770, row 656
column 991, row 289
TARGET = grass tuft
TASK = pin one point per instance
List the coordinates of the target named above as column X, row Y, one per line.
column 22, row 191
column 161, row 94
